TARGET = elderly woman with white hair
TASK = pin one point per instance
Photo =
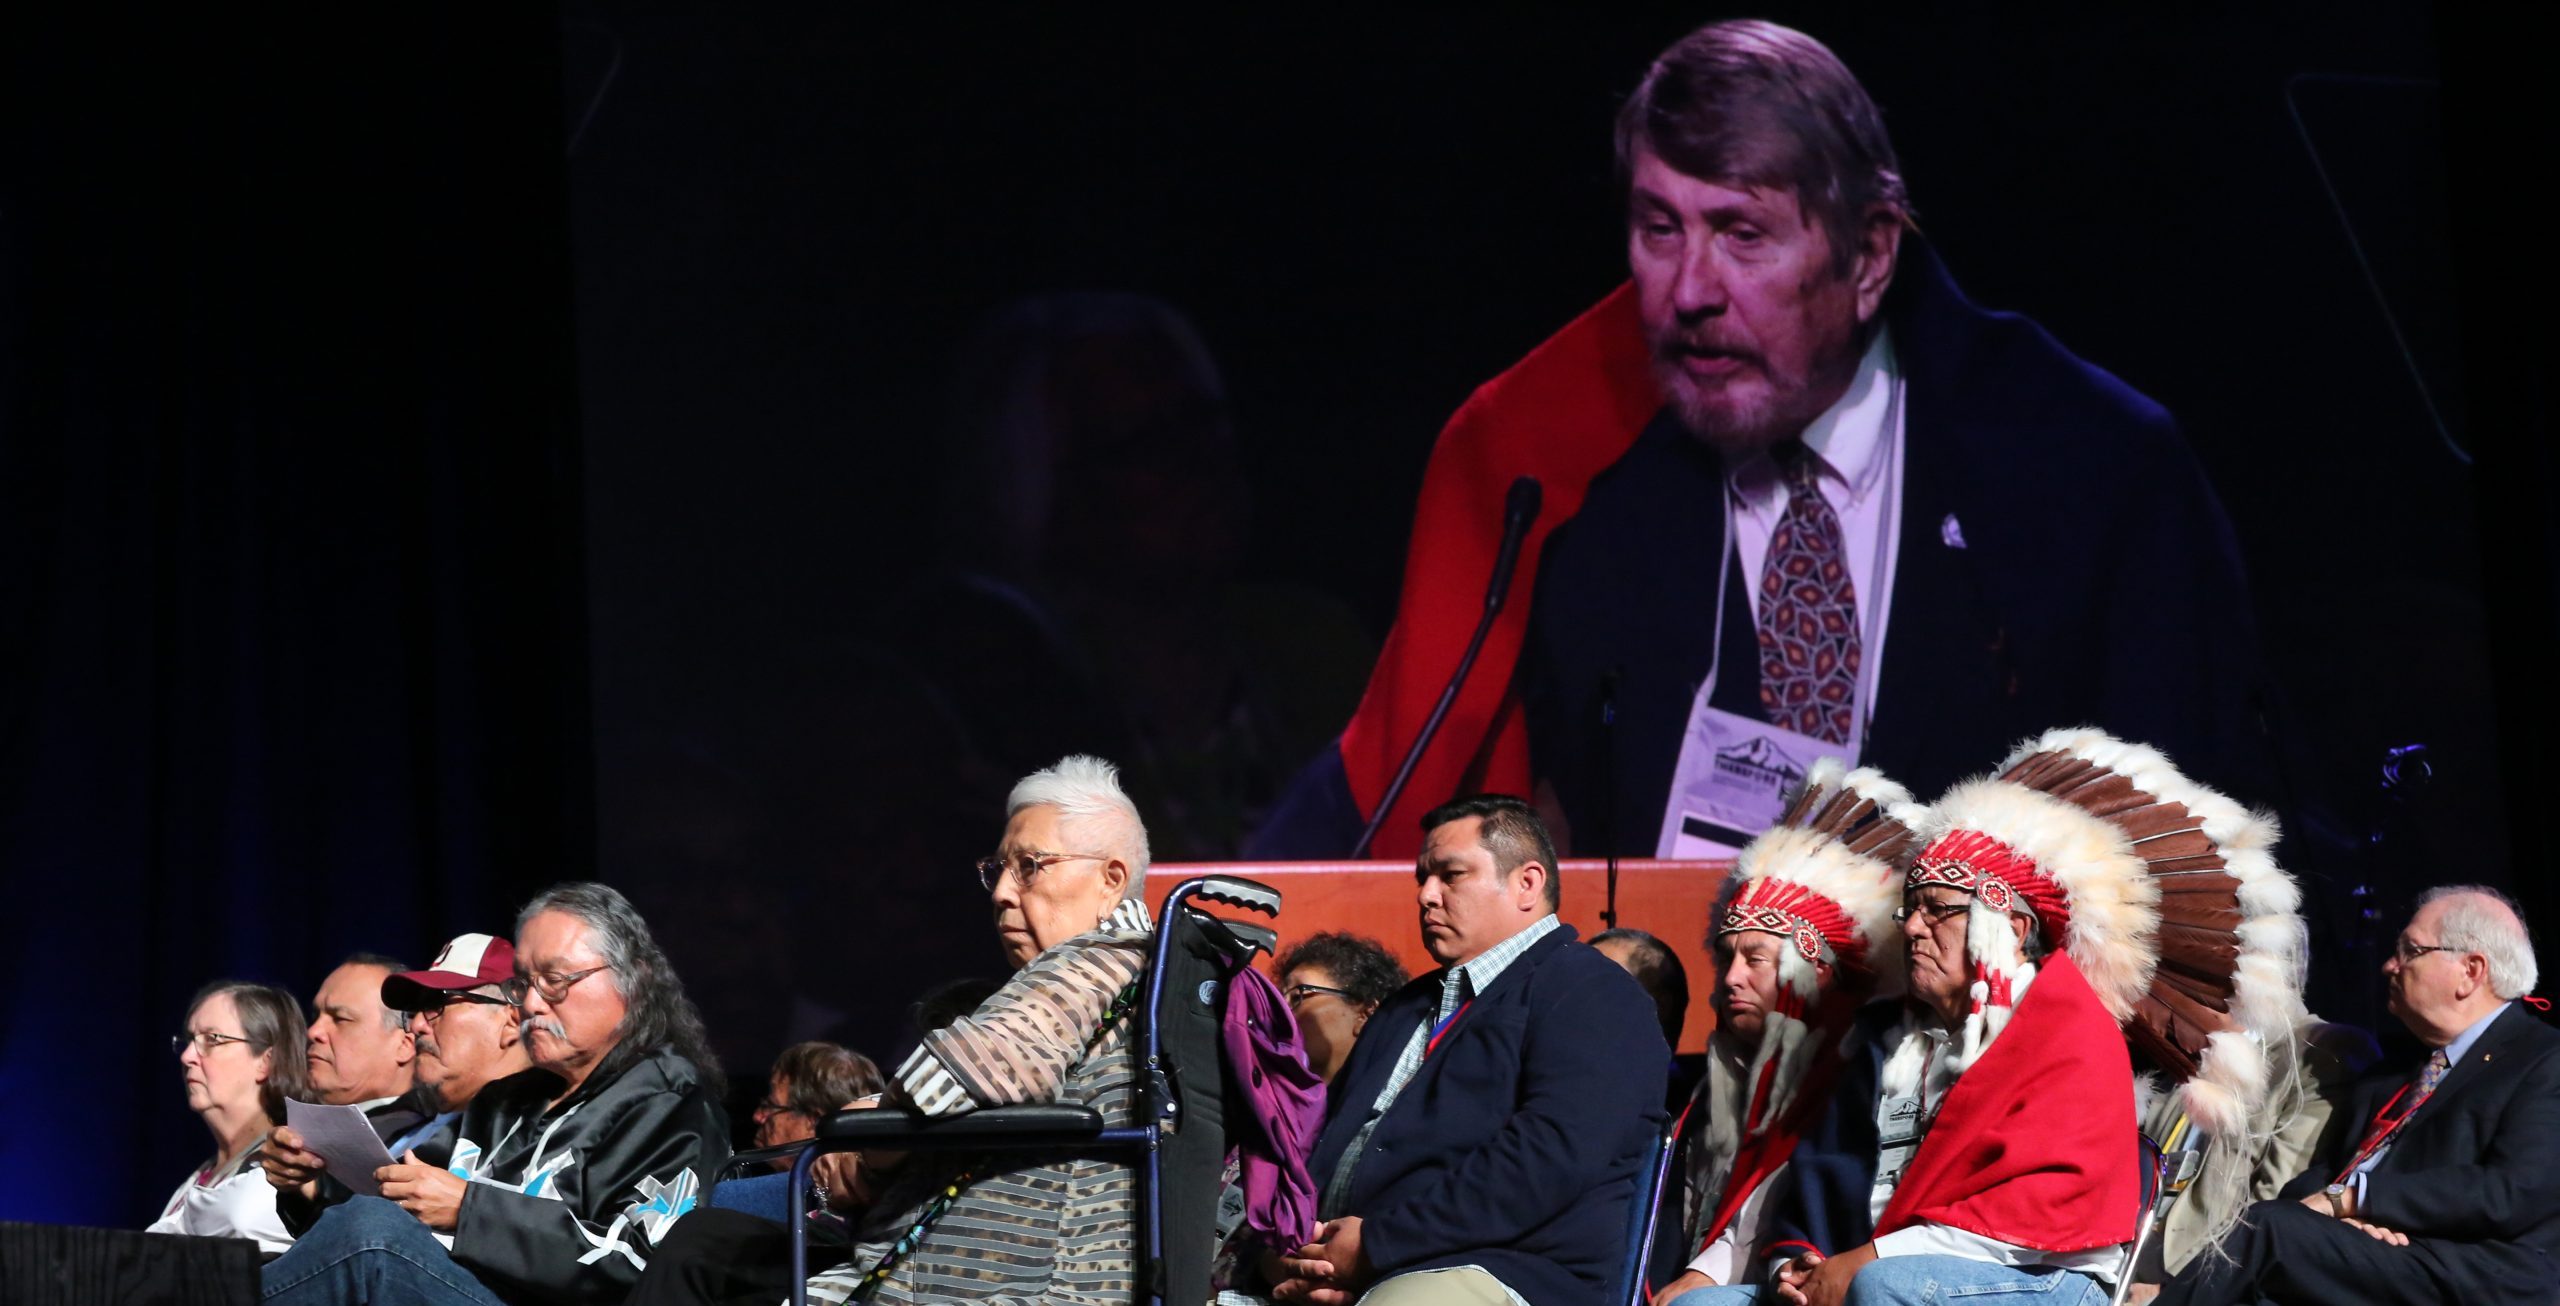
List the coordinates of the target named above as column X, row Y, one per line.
column 1064, row 887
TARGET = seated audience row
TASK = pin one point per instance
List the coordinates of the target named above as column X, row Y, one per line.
column 565, row 1088
column 1920, row 1079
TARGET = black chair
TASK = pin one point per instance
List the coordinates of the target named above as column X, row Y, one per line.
column 1180, row 1142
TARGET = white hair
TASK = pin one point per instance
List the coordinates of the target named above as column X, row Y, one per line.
column 1087, row 790
column 2480, row 919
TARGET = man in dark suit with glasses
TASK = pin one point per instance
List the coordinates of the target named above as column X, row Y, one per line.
column 2439, row 1181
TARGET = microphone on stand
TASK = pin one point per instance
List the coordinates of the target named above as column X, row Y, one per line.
column 1519, row 510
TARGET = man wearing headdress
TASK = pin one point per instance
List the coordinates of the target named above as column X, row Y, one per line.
column 1987, row 1139
column 1802, row 937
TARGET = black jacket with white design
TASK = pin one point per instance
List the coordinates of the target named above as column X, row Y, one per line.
column 567, row 1201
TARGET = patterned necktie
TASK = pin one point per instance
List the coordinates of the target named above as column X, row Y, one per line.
column 2432, row 1075
column 1809, row 656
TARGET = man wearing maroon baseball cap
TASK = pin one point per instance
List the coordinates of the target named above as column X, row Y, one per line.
column 467, row 1038
column 458, row 1011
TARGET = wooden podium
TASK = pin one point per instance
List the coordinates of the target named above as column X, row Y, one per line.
column 1669, row 900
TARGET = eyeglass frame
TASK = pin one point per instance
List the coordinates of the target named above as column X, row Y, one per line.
column 1935, row 912
column 769, row 1107
column 452, row 996
column 992, row 867
column 515, row 987
column 2407, row 956
column 1293, row 992
column 178, row 1042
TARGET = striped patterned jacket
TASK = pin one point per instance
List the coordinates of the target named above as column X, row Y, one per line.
column 1048, row 1230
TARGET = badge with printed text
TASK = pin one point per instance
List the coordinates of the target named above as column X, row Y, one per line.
column 1733, row 780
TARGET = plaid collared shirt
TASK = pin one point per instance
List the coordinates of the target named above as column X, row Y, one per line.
column 1458, row 985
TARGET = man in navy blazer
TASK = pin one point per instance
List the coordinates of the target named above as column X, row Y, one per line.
column 2439, row 1182
column 1485, row 1139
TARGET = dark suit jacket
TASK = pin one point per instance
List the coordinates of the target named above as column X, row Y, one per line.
column 2474, row 1177
column 1822, row 1199
column 1517, row 1144
column 2097, row 583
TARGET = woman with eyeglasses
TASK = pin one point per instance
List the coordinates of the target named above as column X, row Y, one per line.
column 242, row 1053
column 811, row 1081
column 1334, row 983
column 1062, row 892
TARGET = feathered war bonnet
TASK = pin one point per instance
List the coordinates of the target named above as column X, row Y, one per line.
column 2164, row 893
column 1827, row 877
column 1825, row 880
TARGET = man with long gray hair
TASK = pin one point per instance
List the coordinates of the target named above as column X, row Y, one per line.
column 564, row 1177
column 2442, row 1184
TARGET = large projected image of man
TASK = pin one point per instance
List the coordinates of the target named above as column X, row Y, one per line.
column 1804, row 499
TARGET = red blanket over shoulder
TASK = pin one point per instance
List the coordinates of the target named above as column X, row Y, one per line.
column 1563, row 414
column 2036, row 1144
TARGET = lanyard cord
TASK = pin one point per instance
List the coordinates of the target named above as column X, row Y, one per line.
column 2379, row 1131
column 1432, row 1043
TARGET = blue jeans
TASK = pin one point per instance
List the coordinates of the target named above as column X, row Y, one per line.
column 1921, row 1280
column 1741, row 1294
column 1926, row 1280
column 365, row 1251
column 767, row 1195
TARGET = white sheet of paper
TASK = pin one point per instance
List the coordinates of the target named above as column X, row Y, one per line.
column 344, row 1139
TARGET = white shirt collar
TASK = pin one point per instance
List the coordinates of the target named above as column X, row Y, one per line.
column 1849, row 437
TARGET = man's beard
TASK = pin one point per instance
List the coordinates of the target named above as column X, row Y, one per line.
column 1754, row 409
column 1736, row 426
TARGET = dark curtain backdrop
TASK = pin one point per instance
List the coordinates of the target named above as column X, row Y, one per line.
column 291, row 619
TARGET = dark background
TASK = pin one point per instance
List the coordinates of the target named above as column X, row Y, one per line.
column 441, row 458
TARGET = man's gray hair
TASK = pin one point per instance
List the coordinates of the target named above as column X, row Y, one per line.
column 656, row 1013
column 1087, row 790
column 2480, row 919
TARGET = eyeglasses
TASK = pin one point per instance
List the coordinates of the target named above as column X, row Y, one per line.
column 770, row 1108
column 436, row 1012
column 1931, row 912
column 1026, row 866
column 2407, row 953
column 552, row 987
column 205, row 1040
column 1297, row 993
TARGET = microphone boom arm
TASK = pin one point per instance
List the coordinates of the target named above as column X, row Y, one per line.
column 1520, row 510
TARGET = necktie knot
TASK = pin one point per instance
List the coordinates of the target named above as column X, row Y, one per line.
column 1798, row 467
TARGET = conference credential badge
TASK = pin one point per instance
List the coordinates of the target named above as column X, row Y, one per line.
column 1733, row 781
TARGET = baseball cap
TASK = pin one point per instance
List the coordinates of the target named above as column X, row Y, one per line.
column 469, row 962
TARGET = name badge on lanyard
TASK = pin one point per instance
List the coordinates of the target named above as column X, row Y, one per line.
column 1736, row 772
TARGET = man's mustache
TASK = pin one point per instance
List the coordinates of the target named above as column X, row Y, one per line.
column 427, row 1048
column 1677, row 345
column 545, row 1024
